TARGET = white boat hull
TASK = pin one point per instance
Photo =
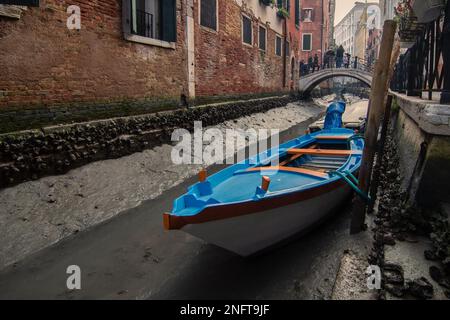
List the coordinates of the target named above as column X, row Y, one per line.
column 249, row 234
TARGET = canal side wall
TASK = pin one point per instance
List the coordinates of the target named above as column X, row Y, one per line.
column 422, row 132
column 29, row 155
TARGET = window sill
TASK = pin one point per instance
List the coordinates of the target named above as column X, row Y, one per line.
column 150, row 41
column 11, row 11
column 208, row 29
column 247, row 45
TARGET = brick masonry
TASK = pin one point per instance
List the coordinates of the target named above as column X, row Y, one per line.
column 226, row 65
column 50, row 74
column 54, row 150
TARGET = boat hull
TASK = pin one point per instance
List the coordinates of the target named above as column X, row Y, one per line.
column 251, row 233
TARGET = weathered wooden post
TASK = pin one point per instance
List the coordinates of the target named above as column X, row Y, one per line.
column 376, row 110
column 445, row 96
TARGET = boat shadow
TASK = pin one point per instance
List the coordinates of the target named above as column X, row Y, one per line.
column 283, row 271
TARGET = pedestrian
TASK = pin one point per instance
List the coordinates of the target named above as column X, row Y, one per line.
column 316, row 62
column 347, row 60
column 339, row 56
column 326, row 61
column 302, row 67
column 311, row 63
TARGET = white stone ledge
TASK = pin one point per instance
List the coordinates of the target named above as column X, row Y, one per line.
column 150, row 41
column 431, row 116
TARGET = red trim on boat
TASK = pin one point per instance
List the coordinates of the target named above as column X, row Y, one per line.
column 221, row 212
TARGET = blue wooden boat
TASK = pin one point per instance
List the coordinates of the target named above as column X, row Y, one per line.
column 253, row 205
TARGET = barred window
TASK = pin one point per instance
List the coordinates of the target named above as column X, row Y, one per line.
column 155, row 19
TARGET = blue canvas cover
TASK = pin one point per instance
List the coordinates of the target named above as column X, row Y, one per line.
column 333, row 119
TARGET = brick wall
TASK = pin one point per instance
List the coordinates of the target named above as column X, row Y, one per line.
column 50, row 74
column 44, row 63
column 319, row 35
column 224, row 65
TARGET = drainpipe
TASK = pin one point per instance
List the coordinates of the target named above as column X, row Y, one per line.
column 321, row 33
column 284, row 52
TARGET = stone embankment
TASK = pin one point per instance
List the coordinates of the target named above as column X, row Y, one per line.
column 411, row 244
column 33, row 154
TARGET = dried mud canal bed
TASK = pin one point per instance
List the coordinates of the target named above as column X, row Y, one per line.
column 36, row 214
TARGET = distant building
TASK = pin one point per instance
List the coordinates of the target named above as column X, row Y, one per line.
column 388, row 9
column 367, row 34
column 346, row 29
column 315, row 28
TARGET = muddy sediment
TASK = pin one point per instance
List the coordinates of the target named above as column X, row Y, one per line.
column 56, row 150
column 36, row 214
column 407, row 238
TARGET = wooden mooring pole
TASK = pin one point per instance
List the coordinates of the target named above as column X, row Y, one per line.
column 376, row 111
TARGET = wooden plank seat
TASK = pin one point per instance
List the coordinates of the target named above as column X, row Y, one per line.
column 343, row 137
column 323, row 152
column 308, row 172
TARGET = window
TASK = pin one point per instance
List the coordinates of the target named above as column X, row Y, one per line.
column 278, row 45
column 307, row 42
column 208, row 14
column 308, row 15
column 154, row 19
column 262, row 38
column 247, row 30
column 288, row 49
column 297, row 12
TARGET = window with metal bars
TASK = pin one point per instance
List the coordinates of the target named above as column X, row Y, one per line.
column 154, row 19
column 208, row 13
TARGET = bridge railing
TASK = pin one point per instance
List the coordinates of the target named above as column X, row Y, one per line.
column 425, row 67
column 347, row 62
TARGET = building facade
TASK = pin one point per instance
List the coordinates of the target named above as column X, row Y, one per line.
column 368, row 33
column 315, row 24
column 387, row 8
column 352, row 32
column 141, row 54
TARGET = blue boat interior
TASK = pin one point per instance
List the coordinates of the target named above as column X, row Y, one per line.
column 297, row 165
column 242, row 182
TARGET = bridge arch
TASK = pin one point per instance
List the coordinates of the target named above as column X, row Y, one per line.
column 309, row 82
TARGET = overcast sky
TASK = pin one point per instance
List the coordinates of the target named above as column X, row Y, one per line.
column 344, row 6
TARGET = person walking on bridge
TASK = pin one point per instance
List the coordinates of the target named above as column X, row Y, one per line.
column 311, row 64
column 316, row 62
column 339, row 56
column 347, row 60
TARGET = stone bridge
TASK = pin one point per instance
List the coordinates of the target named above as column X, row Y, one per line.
column 310, row 81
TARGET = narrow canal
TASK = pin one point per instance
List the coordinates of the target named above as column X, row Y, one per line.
column 132, row 257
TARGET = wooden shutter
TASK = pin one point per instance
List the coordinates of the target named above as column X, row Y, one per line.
column 297, row 12
column 168, row 20
column 126, row 16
